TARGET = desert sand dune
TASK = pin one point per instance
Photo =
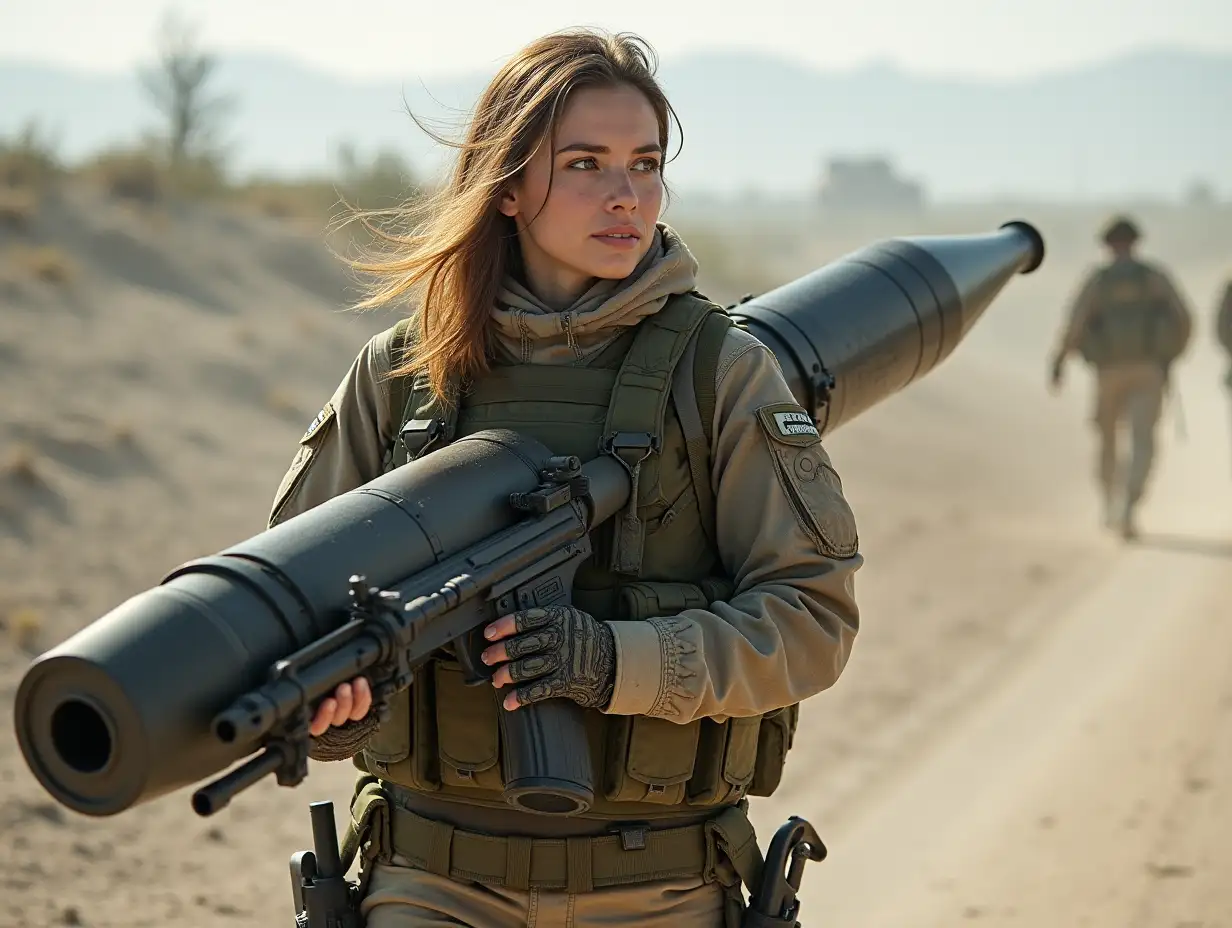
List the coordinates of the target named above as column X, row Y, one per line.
column 1033, row 729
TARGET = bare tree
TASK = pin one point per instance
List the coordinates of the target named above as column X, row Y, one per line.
column 177, row 83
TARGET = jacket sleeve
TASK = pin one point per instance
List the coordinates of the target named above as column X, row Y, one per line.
column 345, row 445
column 342, row 449
column 788, row 539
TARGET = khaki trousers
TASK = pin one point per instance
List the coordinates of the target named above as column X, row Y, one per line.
column 1131, row 394
column 404, row 897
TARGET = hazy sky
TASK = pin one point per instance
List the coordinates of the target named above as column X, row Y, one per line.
column 417, row 37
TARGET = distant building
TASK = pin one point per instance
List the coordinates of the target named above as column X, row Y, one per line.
column 868, row 184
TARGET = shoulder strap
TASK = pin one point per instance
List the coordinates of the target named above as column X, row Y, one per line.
column 424, row 422
column 705, row 370
column 400, row 387
column 635, row 417
column 694, row 399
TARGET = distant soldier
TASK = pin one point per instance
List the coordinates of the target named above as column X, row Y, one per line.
column 1130, row 325
column 1223, row 322
column 1223, row 328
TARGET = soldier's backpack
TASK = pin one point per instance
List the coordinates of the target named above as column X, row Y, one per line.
column 1129, row 322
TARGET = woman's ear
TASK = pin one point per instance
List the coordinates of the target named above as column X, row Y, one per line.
column 508, row 202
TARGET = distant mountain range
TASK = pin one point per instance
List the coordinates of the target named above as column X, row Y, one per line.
column 1147, row 124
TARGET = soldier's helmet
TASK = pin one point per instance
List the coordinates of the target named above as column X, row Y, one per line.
column 1121, row 229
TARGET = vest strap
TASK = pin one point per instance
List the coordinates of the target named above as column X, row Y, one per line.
column 635, row 419
column 694, row 401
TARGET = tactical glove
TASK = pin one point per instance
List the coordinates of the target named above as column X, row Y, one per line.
column 561, row 651
column 342, row 741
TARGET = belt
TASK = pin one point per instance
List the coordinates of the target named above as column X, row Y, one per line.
column 576, row 865
column 723, row 849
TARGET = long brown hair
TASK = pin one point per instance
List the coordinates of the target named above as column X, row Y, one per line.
column 461, row 245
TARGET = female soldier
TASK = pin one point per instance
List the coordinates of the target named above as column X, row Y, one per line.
column 553, row 301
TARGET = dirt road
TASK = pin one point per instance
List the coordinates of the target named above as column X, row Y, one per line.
column 1080, row 776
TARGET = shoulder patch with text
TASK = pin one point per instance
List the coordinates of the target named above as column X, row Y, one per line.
column 807, row 477
column 789, row 423
column 323, row 417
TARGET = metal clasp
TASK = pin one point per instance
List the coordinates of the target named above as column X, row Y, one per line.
column 418, row 434
column 631, row 448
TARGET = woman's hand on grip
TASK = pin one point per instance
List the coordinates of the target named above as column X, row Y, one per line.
column 350, row 703
column 549, row 652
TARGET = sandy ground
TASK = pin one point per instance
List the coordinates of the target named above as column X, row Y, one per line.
column 1034, row 728
column 1075, row 771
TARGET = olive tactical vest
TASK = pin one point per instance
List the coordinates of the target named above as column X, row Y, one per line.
column 1129, row 322
column 655, row 559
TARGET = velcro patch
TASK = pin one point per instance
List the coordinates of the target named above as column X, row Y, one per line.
column 789, row 424
column 808, row 479
column 323, row 417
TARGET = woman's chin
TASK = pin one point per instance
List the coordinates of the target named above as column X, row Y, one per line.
column 617, row 267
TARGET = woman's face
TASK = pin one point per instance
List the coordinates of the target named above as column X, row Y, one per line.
column 586, row 204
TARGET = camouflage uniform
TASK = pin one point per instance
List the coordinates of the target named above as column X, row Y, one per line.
column 1130, row 324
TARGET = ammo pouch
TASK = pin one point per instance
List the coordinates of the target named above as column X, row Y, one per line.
column 704, row 762
column 443, row 735
column 426, row 749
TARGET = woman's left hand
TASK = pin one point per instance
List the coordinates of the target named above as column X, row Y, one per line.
column 552, row 651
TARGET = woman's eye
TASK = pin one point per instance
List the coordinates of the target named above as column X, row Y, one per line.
column 581, row 161
column 649, row 165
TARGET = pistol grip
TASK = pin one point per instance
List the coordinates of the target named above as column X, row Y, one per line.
column 469, row 652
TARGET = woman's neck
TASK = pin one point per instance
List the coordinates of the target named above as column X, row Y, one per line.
column 556, row 285
column 556, row 289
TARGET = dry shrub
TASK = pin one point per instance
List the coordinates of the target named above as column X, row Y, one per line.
column 18, row 207
column 127, row 175
column 28, row 159
column 24, row 626
column 21, row 464
column 381, row 181
column 197, row 177
column 44, row 262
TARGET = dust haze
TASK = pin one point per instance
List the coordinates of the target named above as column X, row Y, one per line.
column 1033, row 729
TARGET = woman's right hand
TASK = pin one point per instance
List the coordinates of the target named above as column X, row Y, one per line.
column 350, row 703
